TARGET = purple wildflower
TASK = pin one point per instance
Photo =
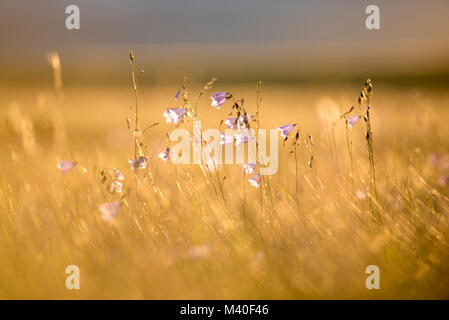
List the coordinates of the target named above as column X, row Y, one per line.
column 109, row 211
column 65, row 166
column 165, row 155
column 352, row 121
column 177, row 94
column 241, row 138
column 255, row 180
column 249, row 167
column 218, row 99
column 174, row 115
column 118, row 175
column 226, row 139
column 230, row 122
column 139, row 163
column 285, row 130
column 116, row 186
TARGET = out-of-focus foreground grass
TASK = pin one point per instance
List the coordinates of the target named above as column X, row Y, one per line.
column 180, row 240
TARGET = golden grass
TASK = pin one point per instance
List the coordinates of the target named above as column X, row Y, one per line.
column 182, row 241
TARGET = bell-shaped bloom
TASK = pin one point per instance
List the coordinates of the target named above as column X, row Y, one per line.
column 241, row 138
column 353, row 120
column 177, row 94
column 226, row 139
column 249, row 167
column 116, row 186
column 65, row 166
column 218, row 99
column 230, row 123
column 174, row 115
column 139, row 163
column 165, row 155
column 109, row 211
column 255, row 180
column 240, row 124
column 118, row 175
column 285, row 130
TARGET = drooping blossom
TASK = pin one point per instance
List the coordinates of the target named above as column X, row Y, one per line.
column 165, row 155
column 249, row 167
column 218, row 99
column 116, row 186
column 177, row 94
column 118, row 175
column 240, row 124
column 285, row 130
column 241, row 138
column 174, row 115
column 443, row 181
column 230, row 122
column 139, row 163
column 255, row 180
column 109, row 211
column 353, row 120
column 226, row 139
column 65, row 166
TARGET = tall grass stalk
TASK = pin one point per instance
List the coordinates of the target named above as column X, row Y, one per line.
column 365, row 94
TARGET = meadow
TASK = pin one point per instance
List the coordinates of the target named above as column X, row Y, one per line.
column 182, row 232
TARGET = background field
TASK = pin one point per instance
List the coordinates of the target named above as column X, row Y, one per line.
column 182, row 241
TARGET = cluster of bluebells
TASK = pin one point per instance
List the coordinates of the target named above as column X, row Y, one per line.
column 239, row 122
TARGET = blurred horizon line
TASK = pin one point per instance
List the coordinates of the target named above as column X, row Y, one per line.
column 236, row 61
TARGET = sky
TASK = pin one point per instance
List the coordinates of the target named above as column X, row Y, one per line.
column 242, row 39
